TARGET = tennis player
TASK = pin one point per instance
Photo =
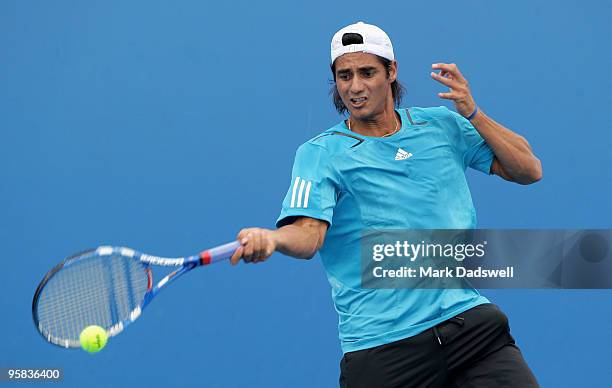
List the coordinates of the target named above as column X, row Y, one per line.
column 386, row 167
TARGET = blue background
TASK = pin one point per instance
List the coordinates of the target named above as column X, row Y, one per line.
column 168, row 126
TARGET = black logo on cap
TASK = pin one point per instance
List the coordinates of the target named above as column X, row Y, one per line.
column 351, row 38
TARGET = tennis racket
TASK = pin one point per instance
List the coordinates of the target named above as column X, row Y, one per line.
column 109, row 287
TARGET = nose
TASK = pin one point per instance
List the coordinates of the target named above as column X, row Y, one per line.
column 356, row 85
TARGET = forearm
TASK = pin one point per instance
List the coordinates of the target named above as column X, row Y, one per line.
column 513, row 152
column 301, row 241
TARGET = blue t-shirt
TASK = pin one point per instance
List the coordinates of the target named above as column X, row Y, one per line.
column 413, row 179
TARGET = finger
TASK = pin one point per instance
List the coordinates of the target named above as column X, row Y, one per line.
column 441, row 66
column 247, row 255
column 257, row 251
column 236, row 256
column 451, row 83
column 449, row 68
column 448, row 96
column 263, row 250
column 269, row 251
column 242, row 234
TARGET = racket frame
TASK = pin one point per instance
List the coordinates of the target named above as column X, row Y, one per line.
column 184, row 264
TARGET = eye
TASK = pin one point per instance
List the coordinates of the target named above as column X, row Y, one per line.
column 344, row 76
column 368, row 73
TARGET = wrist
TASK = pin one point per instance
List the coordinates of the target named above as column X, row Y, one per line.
column 473, row 114
column 274, row 238
column 477, row 120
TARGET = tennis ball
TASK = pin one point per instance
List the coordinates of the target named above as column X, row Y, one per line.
column 93, row 339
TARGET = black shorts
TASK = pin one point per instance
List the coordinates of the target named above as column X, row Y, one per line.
column 472, row 349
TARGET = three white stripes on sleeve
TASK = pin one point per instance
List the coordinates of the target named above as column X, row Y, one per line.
column 303, row 191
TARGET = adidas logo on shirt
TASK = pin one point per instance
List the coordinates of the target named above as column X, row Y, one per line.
column 300, row 192
column 401, row 154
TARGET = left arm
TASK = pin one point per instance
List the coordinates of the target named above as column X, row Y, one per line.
column 514, row 159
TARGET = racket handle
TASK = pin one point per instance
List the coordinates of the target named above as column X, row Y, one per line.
column 221, row 252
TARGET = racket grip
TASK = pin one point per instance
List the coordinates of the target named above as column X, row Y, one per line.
column 221, row 252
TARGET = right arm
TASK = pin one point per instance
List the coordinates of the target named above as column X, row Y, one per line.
column 301, row 239
column 306, row 213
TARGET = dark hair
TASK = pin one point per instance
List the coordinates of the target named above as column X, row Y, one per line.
column 397, row 90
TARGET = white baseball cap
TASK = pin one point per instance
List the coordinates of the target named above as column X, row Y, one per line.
column 374, row 41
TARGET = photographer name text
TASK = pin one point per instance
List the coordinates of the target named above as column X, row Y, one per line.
column 446, row 272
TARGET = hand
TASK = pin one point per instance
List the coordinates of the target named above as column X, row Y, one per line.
column 460, row 93
column 257, row 245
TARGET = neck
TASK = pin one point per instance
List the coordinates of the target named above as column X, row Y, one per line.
column 383, row 124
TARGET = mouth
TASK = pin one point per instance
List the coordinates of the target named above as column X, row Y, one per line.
column 357, row 102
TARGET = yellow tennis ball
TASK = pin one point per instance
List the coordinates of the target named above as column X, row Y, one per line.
column 93, row 339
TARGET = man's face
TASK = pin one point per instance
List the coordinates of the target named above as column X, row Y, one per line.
column 363, row 84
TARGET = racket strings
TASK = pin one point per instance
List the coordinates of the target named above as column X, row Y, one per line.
column 92, row 290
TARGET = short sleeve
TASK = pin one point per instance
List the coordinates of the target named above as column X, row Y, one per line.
column 475, row 152
column 312, row 192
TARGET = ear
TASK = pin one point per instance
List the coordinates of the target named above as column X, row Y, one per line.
column 393, row 72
